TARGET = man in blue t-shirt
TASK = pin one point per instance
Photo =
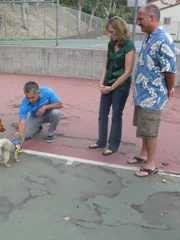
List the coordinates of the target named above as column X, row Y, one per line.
column 40, row 105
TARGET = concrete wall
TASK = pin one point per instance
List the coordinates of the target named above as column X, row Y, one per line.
column 52, row 61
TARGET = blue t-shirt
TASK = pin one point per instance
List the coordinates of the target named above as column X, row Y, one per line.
column 157, row 56
column 47, row 96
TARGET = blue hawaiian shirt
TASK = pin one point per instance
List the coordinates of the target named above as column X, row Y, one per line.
column 157, row 56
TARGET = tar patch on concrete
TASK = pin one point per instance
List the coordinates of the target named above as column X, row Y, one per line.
column 101, row 203
column 158, row 206
column 6, row 207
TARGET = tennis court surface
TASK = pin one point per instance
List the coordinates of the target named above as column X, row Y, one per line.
column 69, row 43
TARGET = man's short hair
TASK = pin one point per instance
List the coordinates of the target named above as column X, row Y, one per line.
column 31, row 87
column 152, row 9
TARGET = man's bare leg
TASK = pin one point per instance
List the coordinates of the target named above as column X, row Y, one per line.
column 151, row 145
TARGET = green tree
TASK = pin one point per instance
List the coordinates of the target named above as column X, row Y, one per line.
column 120, row 8
column 101, row 8
column 79, row 4
column 91, row 6
column 24, row 12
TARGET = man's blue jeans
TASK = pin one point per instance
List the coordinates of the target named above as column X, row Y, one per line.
column 117, row 99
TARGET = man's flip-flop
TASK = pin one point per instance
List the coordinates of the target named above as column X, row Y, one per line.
column 138, row 160
column 148, row 171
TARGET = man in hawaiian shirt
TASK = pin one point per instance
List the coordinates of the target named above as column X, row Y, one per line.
column 154, row 84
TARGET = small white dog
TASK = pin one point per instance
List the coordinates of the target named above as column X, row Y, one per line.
column 7, row 146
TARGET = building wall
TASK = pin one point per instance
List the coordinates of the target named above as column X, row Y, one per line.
column 173, row 12
column 174, row 27
column 72, row 63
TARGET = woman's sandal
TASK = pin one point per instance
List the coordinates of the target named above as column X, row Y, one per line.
column 107, row 152
column 94, row 146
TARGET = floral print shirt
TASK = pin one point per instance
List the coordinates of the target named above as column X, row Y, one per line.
column 157, row 56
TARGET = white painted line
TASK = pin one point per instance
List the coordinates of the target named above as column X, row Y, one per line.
column 168, row 174
column 80, row 160
column 70, row 161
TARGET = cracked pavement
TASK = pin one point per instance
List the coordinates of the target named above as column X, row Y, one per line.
column 101, row 202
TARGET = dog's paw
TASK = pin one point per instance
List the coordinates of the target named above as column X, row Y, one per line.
column 17, row 160
column 7, row 165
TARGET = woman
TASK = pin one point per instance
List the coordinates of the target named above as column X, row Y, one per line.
column 115, row 84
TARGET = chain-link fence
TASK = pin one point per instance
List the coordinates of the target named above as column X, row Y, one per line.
column 79, row 25
column 21, row 20
column 36, row 20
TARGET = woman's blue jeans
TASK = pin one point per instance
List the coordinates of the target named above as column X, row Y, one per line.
column 117, row 99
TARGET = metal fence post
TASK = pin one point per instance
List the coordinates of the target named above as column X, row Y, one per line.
column 96, row 28
column 27, row 12
column 135, row 19
column 68, row 28
column 57, row 23
column 5, row 30
column 86, row 25
column 44, row 20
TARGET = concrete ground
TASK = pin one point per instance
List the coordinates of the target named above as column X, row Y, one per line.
column 50, row 199
column 66, row 191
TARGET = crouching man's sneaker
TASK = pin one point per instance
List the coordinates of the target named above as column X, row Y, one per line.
column 50, row 139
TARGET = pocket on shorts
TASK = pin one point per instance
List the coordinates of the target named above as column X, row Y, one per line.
column 149, row 125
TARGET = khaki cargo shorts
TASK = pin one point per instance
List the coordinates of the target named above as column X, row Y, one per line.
column 147, row 122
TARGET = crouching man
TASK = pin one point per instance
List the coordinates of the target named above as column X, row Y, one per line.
column 40, row 105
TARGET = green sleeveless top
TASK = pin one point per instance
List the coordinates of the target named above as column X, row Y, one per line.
column 116, row 63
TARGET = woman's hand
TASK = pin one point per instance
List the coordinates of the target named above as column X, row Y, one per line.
column 101, row 87
column 107, row 90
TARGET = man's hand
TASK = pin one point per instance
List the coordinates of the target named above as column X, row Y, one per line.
column 21, row 126
column 171, row 94
column 41, row 111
